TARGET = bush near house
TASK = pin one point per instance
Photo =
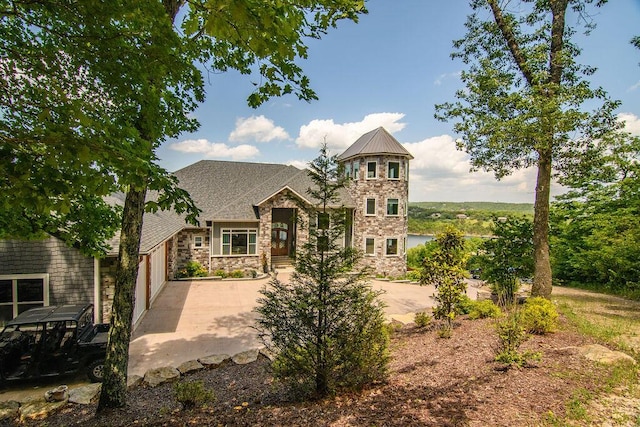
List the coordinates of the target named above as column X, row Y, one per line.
column 192, row 269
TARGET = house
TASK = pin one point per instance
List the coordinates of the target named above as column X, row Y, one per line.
column 248, row 216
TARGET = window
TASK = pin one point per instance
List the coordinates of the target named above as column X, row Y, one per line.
column 347, row 170
column 356, row 170
column 239, row 242
column 406, row 170
column 323, row 221
column 372, row 170
column 392, row 207
column 393, row 170
column 369, row 246
column 392, row 247
column 371, row 207
column 21, row 292
column 198, row 241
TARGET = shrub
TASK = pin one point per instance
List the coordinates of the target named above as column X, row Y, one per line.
column 539, row 316
column 413, row 275
column 192, row 269
column 221, row 273
column 465, row 304
column 193, row 393
column 484, row 309
column 422, row 319
column 512, row 334
column 237, row 274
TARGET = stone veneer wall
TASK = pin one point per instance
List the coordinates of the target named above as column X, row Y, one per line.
column 70, row 272
column 281, row 200
column 381, row 226
column 107, row 285
column 185, row 252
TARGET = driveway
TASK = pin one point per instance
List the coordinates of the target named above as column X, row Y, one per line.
column 194, row 319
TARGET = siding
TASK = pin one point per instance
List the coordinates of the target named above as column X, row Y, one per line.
column 70, row 272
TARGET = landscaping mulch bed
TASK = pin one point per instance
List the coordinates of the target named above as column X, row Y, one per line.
column 432, row 382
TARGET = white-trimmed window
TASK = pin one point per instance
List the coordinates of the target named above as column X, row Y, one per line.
column 393, row 207
column 347, row 170
column 391, row 246
column 369, row 246
column 20, row 292
column 356, row 170
column 406, row 170
column 198, row 241
column 393, row 170
column 372, row 170
column 370, row 207
column 242, row 241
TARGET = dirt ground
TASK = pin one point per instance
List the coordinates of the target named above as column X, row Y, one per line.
column 433, row 382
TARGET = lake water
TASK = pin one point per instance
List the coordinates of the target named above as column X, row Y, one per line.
column 414, row 240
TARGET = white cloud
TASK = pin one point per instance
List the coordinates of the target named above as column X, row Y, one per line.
column 634, row 87
column 257, row 128
column 300, row 164
column 440, row 172
column 631, row 123
column 438, row 81
column 340, row 135
column 211, row 150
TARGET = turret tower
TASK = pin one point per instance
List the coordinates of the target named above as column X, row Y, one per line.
column 378, row 166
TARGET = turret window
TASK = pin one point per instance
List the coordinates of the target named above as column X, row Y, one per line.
column 356, row 170
column 370, row 208
column 393, row 207
column 391, row 248
column 347, row 170
column 369, row 246
column 372, row 170
column 393, row 170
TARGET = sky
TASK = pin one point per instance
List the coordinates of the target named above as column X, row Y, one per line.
column 390, row 70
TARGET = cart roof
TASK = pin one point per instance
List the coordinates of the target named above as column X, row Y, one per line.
column 51, row 314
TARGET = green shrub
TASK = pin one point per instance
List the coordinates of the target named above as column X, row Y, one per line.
column 484, row 309
column 193, row 393
column 464, row 305
column 192, row 269
column 237, row 274
column 413, row 275
column 539, row 316
column 221, row 273
column 512, row 334
column 422, row 319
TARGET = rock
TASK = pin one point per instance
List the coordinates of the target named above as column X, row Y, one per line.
column 39, row 409
column 190, row 366
column 215, row 360
column 134, row 381
column 602, row 354
column 268, row 353
column 9, row 410
column 157, row 376
column 483, row 294
column 245, row 357
column 86, row 394
column 57, row 394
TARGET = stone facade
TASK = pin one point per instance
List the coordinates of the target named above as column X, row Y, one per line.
column 71, row 274
column 184, row 249
column 107, row 286
column 378, row 224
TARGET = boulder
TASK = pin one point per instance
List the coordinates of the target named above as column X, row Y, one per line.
column 214, row 360
column 38, row 409
column 602, row 354
column 86, row 394
column 134, row 381
column 246, row 357
column 190, row 366
column 9, row 410
column 157, row 376
column 268, row 353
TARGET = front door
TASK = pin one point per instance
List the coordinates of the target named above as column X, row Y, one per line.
column 280, row 239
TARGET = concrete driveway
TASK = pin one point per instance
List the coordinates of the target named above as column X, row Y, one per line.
column 194, row 319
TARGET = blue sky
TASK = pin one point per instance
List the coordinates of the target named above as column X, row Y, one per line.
column 390, row 70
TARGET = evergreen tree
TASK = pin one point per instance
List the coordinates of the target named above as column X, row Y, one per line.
column 327, row 325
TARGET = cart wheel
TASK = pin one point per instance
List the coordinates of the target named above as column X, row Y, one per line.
column 95, row 371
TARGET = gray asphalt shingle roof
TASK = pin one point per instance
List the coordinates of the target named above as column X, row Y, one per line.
column 377, row 141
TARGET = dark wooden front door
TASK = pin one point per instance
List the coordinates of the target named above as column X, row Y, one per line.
column 279, row 240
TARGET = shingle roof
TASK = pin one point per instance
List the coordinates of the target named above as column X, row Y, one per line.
column 377, row 141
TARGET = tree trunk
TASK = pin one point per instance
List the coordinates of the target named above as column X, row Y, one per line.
column 542, row 264
column 114, row 387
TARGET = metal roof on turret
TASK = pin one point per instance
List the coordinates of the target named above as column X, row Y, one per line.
column 378, row 141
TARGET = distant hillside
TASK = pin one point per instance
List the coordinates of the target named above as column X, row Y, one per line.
column 472, row 218
column 458, row 207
